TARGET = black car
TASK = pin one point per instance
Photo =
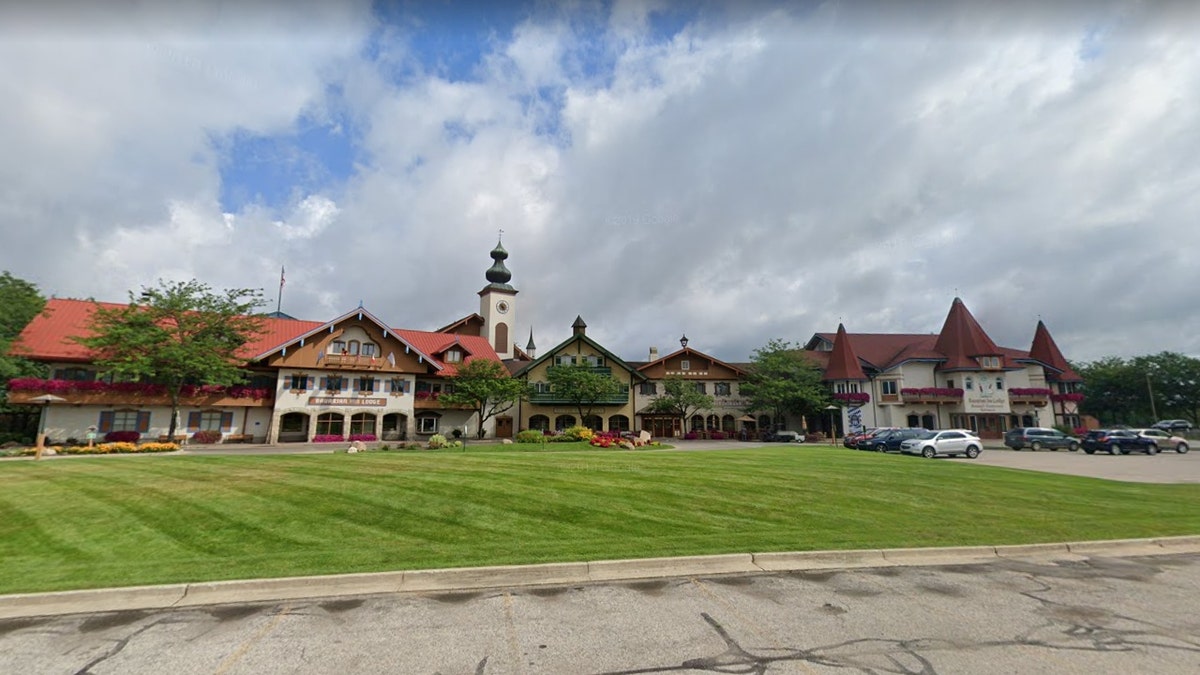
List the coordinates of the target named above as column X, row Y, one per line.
column 1113, row 441
column 890, row 440
column 1036, row 438
column 867, row 440
column 1173, row 425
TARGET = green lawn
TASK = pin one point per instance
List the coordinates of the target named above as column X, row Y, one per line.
column 109, row 521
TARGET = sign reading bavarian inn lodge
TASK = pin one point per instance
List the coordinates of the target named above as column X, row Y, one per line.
column 347, row 400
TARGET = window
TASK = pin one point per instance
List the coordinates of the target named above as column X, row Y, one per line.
column 366, row 384
column 564, row 360
column 564, row 422
column 594, row 360
column 999, row 384
column 339, row 347
column 210, row 420
column 648, row 389
column 352, row 348
column 721, row 388
column 697, row 423
column 362, row 423
column 330, row 424
column 74, row 374
column 539, row 423
column 914, row 421
column 989, row 361
column 685, row 365
column 712, row 423
column 701, row 387
column 949, row 384
column 853, row 386
column 541, row 387
column 124, row 420
column 368, row 349
column 334, row 383
column 454, row 356
column 398, row 385
column 427, row 424
column 618, row 423
column 969, row 383
column 593, row 422
column 840, row 387
column 298, row 382
column 888, row 387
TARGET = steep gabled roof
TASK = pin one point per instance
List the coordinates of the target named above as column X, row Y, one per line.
column 49, row 336
column 473, row 346
column 525, row 368
column 962, row 340
column 1046, row 351
column 359, row 313
column 843, row 362
column 686, row 350
column 472, row 323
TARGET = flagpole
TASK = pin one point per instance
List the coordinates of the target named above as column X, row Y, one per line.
column 279, row 300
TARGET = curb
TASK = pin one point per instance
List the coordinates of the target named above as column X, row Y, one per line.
column 130, row 598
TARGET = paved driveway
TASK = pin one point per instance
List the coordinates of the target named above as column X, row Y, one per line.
column 1065, row 615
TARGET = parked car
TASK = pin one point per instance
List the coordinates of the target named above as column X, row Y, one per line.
column 890, row 440
column 783, row 436
column 945, row 442
column 1165, row 440
column 1115, row 441
column 1173, row 425
column 864, row 441
column 850, row 440
column 1036, row 438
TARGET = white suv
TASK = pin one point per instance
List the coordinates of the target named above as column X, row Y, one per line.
column 944, row 442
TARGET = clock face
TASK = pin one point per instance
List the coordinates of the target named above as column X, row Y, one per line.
column 502, row 307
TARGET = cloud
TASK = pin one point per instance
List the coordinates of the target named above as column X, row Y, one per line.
column 735, row 172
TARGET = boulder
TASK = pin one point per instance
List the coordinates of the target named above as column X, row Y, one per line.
column 644, row 436
column 506, row 441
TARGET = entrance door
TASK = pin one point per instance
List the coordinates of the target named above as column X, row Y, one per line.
column 504, row 427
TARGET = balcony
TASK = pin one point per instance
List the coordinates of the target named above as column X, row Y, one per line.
column 933, row 395
column 23, row 390
column 554, row 398
column 1036, row 396
column 354, row 361
column 598, row 370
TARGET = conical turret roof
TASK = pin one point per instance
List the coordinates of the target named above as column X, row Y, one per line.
column 843, row 363
column 1045, row 350
column 963, row 340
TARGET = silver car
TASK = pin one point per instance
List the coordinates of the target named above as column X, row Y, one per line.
column 1165, row 440
column 944, row 442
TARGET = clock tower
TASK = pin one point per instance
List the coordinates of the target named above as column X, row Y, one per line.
column 498, row 305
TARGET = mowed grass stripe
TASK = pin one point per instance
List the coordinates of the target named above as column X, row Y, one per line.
column 88, row 522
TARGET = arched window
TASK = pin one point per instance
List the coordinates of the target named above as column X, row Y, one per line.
column 728, row 424
column 764, row 422
column 539, row 422
column 564, row 422
column 362, row 423
column 697, row 423
column 501, row 345
column 593, row 422
column 618, row 423
column 712, row 423
column 352, row 348
column 914, row 420
column 330, row 424
column 927, row 422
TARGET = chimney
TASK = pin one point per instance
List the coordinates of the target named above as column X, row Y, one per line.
column 579, row 327
column 654, row 353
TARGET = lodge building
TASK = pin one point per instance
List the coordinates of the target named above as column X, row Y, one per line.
column 358, row 375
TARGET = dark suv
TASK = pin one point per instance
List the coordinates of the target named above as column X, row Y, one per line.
column 890, row 440
column 1118, row 440
column 1036, row 438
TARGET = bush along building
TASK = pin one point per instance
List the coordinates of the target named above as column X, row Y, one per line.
column 956, row 378
column 358, row 377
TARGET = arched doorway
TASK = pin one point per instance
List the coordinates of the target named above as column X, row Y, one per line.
column 293, row 427
column 395, row 427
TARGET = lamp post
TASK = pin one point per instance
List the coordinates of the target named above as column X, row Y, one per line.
column 43, row 402
column 832, row 425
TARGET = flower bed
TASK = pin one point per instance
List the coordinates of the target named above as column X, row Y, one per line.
column 852, row 397
column 365, row 438
column 1030, row 391
column 328, row 438
column 939, row 392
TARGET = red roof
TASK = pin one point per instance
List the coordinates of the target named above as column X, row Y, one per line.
column 962, row 340
column 843, row 363
column 1045, row 350
column 48, row 336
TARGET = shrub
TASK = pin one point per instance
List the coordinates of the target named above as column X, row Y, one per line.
column 365, row 438
column 328, row 438
column 717, row 435
column 437, row 442
column 578, row 433
column 122, row 437
column 206, row 436
column 530, row 436
column 691, row 436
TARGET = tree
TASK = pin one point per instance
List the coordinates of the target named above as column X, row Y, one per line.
column 20, row 302
column 783, row 380
column 175, row 334
column 680, row 398
column 486, row 386
column 1173, row 380
column 583, row 387
column 1114, row 391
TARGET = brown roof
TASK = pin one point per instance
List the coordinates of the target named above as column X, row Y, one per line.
column 686, row 350
column 843, row 363
column 470, row 324
column 962, row 340
column 1045, row 350
column 436, row 344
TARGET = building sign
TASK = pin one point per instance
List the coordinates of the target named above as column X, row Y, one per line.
column 985, row 398
column 360, row 401
column 854, row 417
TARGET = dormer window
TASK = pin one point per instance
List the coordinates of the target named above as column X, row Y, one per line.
column 368, row 349
column 989, row 361
column 453, row 356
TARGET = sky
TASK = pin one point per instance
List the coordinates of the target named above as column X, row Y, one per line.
column 735, row 172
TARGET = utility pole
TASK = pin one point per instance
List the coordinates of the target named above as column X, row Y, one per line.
column 1153, row 410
